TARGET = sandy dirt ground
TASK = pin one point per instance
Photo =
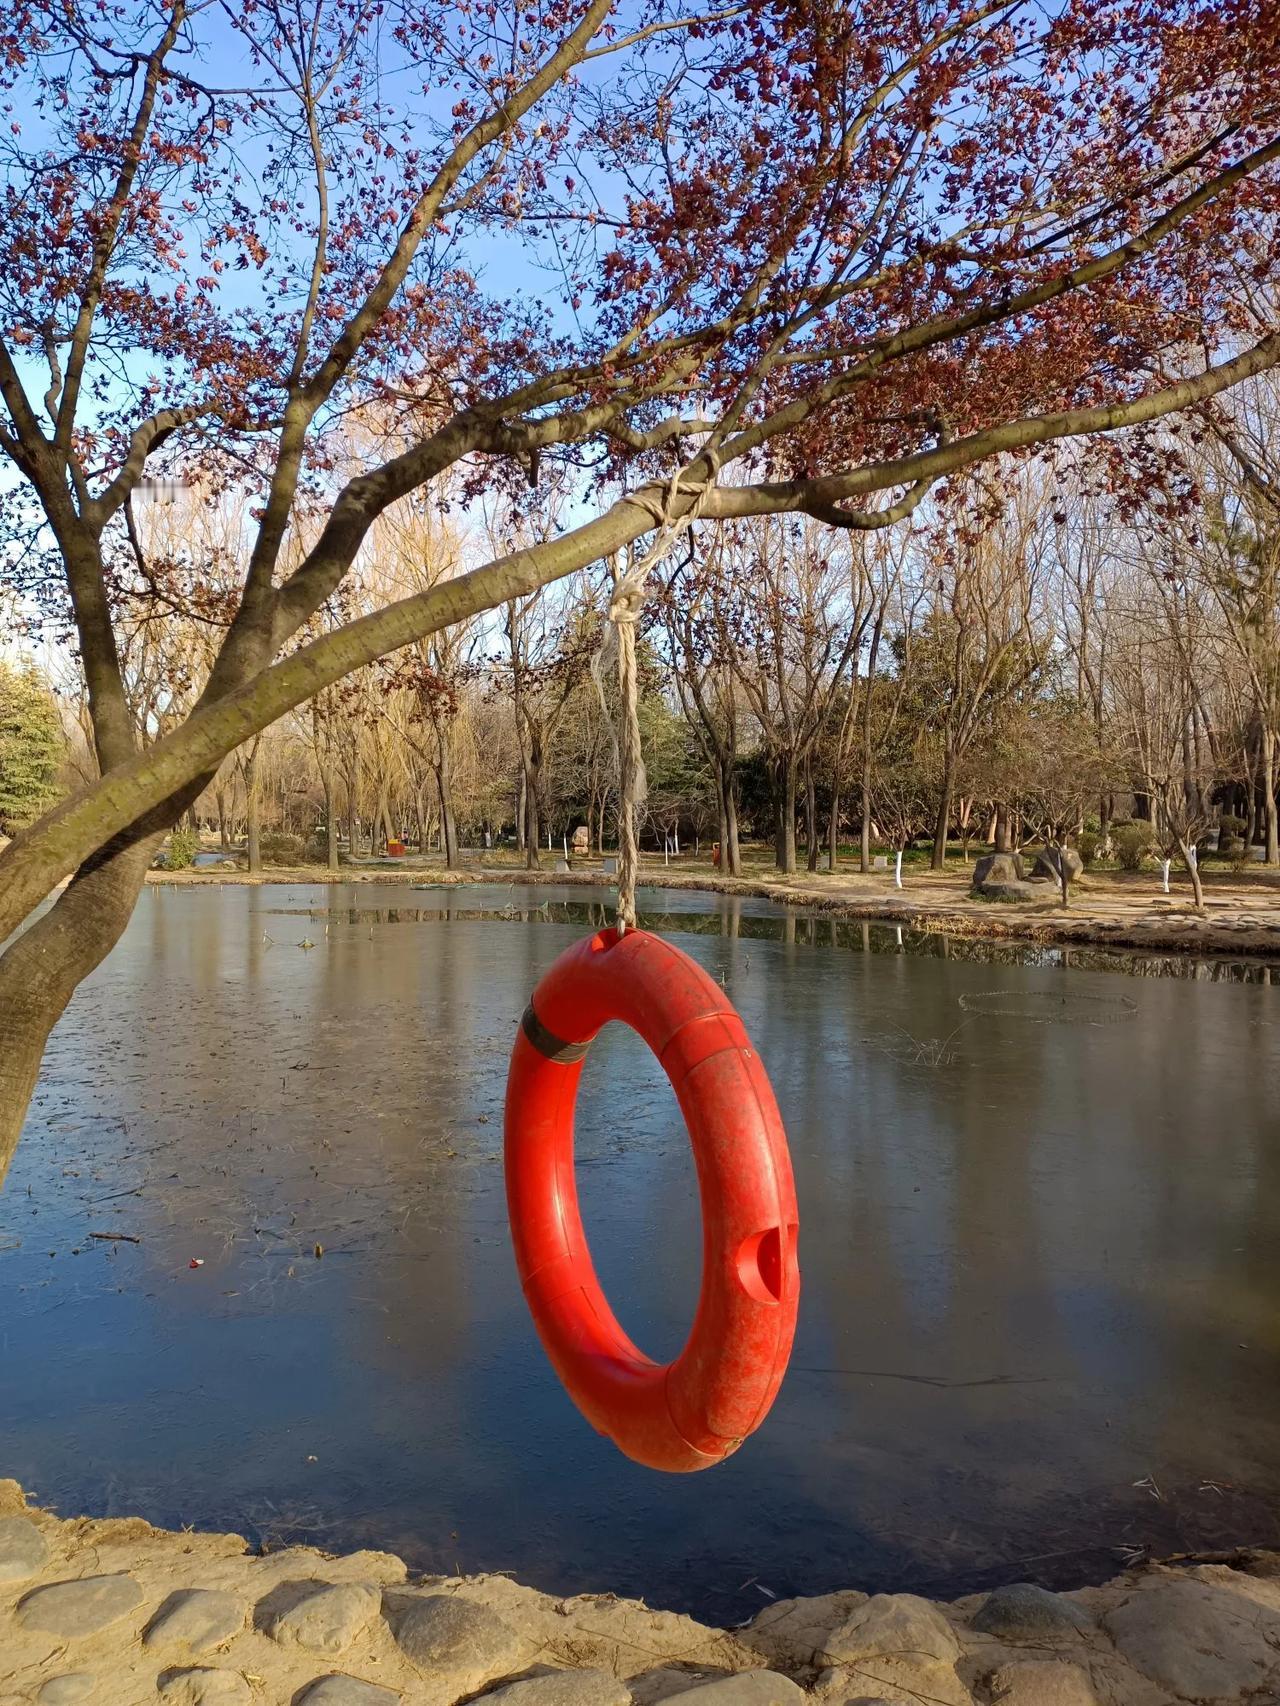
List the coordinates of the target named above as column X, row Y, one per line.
column 117, row 1613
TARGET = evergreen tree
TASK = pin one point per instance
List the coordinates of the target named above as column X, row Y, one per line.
column 31, row 747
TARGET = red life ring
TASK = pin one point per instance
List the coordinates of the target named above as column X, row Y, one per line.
column 698, row 1409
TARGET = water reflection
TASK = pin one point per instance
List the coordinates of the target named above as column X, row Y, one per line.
column 1039, row 1258
column 664, row 911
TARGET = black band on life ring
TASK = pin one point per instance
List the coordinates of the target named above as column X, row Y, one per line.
column 548, row 1043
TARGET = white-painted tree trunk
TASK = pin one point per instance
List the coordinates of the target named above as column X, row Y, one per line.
column 1164, row 873
column 897, row 870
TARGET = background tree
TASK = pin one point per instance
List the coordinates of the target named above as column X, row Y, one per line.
column 32, row 747
column 1066, row 770
column 979, row 644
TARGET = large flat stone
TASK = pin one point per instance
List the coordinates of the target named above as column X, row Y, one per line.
column 338, row 1690
column 197, row 1618
column 1041, row 1682
column 66, row 1690
column 893, row 1624
column 456, row 1640
column 204, row 1686
column 899, row 1645
column 563, row 1688
column 70, row 1609
column 23, row 1549
column 1024, row 1612
column 325, row 1618
column 795, row 1631
column 1198, row 1640
column 746, row 1688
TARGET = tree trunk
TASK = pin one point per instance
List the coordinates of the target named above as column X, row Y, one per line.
column 1269, row 795
column 784, row 841
column 942, row 823
column 444, row 791
column 353, row 809
column 41, row 969
column 1193, row 871
column 253, row 809
column 521, row 788
column 383, row 820
column 1250, row 810
column 532, row 824
column 1003, row 840
column 330, row 821
column 833, row 829
column 864, row 830
column 810, row 818
column 731, row 811
column 224, row 835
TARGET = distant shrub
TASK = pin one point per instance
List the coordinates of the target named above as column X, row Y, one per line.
column 279, row 849
column 1230, row 825
column 1133, row 844
column 181, row 852
column 1090, row 845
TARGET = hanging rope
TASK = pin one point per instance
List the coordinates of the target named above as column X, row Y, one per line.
column 624, row 612
column 630, row 589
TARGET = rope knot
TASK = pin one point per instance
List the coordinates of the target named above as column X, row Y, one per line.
column 627, row 602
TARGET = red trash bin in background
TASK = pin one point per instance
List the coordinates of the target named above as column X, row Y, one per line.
column 715, row 855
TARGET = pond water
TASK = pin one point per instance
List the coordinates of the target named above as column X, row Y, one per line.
column 1040, row 1221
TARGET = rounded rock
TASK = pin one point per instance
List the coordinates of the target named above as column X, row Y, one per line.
column 65, row 1690
column 24, row 1551
column 339, row 1690
column 901, row 1641
column 204, row 1686
column 197, row 1618
column 1197, row 1639
column 746, row 1688
column 1041, row 1682
column 447, row 1636
column 325, row 1618
column 70, row 1609
column 563, row 1688
column 1025, row 1612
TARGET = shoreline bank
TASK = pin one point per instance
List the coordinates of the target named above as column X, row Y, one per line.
column 1241, row 920
column 114, row 1612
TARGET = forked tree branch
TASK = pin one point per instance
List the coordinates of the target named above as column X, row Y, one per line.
column 71, row 834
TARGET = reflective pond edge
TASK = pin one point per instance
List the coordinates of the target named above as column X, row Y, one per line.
column 1158, row 945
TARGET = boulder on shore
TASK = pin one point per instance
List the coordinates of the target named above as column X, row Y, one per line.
column 1050, row 862
column 1001, row 876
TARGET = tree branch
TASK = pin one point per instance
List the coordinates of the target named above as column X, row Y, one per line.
column 38, row 859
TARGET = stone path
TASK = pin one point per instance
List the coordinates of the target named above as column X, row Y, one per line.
column 116, row 1613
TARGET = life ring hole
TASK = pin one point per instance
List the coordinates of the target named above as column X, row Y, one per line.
column 636, row 1186
column 760, row 1262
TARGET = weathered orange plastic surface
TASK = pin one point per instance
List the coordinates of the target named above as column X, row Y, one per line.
column 695, row 1411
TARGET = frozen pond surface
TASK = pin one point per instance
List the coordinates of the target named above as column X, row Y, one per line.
column 1041, row 1319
